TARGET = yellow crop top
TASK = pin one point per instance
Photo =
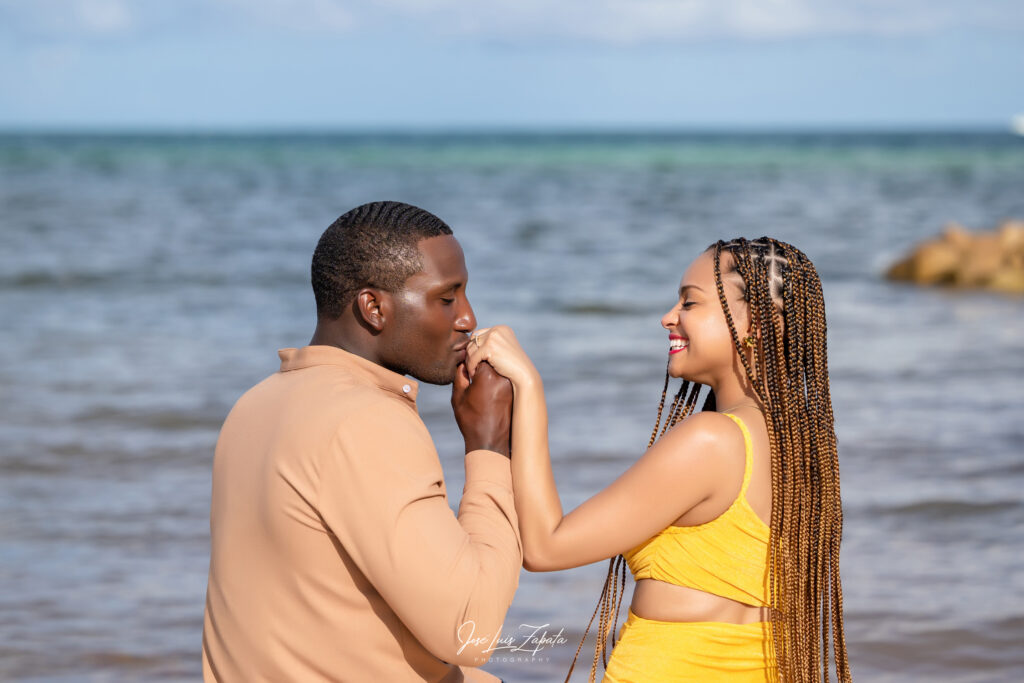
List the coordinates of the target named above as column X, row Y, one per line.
column 727, row 556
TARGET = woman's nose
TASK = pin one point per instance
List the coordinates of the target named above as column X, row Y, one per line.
column 670, row 319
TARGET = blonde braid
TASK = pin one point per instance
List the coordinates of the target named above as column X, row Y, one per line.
column 806, row 521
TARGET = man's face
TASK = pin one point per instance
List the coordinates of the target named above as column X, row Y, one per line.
column 432, row 317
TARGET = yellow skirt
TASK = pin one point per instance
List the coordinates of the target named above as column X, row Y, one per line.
column 650, row 651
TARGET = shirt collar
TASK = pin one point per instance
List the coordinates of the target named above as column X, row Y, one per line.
column 308, row 356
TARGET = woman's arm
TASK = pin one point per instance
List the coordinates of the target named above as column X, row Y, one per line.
column 683, row 469
column 533, row 482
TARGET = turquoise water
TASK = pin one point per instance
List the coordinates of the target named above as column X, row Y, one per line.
column 147, row 281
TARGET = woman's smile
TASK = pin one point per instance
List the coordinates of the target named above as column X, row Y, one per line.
column 677, row 343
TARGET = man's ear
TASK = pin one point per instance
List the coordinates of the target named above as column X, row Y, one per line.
column 372, row 307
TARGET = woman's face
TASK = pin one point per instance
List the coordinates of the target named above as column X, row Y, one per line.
column 700, row 345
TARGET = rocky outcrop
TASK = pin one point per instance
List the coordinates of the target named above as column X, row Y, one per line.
column 960, row 258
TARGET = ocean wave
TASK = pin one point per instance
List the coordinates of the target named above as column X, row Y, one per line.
column 159, row 420
column 43, row 279
column 948, row 508
column 63, row 280
column 596, row 308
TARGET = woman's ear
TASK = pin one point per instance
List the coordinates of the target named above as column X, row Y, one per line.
column 751, row 334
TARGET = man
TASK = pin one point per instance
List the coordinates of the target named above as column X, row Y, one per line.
column 334, row 554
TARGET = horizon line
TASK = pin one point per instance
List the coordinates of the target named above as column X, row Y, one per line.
column 456, row 129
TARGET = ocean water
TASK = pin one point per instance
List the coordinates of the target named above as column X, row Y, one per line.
column 147, row 281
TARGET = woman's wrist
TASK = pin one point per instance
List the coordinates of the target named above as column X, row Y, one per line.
column 530, row 381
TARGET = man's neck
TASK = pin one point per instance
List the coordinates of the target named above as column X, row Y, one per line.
column 333, row 333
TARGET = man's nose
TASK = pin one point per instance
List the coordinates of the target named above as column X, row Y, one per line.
column 466, row 322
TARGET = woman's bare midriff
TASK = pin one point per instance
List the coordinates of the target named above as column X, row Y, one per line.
column 662, row 601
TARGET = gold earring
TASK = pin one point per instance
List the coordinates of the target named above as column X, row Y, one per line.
column 750, row 341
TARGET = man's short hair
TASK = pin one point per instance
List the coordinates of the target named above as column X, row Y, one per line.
column 373, row 245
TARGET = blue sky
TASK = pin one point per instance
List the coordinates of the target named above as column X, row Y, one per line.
column 255, row 64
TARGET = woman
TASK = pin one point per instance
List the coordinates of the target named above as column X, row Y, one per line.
column 731, row 520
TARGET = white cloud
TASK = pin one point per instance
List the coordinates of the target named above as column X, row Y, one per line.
column 59, row 18
column 328, row 16
column 99, row 19
column 104, row 16
column 630, row 21
column 609, row 21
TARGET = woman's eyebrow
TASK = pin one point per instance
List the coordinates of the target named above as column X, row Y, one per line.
column 686, row 287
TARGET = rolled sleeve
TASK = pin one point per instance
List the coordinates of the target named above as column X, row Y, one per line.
column 449, row 579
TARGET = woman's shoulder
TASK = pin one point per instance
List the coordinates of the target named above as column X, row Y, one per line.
column 707, row 452
column 712, row 434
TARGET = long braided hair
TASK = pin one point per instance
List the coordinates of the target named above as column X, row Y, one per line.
column 790, row 376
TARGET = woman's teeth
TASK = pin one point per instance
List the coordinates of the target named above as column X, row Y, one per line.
column 678, row 344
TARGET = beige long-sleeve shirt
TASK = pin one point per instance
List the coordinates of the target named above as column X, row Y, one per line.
column 334, row 553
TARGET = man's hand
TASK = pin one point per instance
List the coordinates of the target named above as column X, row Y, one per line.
column 483, row 409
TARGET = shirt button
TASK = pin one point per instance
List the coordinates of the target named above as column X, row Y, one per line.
column 406, row 388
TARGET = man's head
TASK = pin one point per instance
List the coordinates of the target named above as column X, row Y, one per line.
column 390, row 285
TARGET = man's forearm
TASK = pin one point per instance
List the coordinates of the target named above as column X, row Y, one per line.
column 487, row 513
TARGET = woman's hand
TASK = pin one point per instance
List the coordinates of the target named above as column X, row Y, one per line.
column 498, row 346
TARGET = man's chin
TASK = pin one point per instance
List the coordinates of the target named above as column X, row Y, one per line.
column 440, row 376
column 436, row 381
